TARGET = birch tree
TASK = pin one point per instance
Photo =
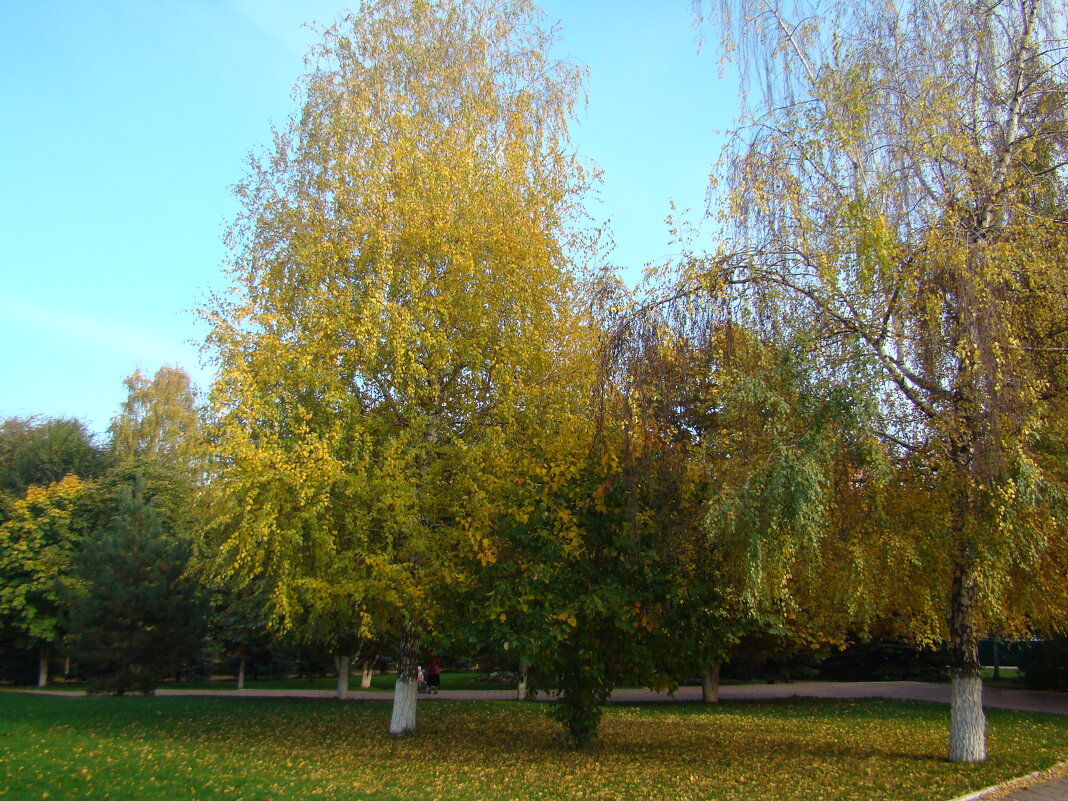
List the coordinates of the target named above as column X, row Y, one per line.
column 896, row 187
column 400, row 291
column 729, row 433
column 159, row 420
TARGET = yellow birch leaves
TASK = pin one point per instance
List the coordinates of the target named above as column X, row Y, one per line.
column 402, row 297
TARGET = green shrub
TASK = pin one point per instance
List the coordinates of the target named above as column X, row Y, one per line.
column 1044, row 664
column 885, row 660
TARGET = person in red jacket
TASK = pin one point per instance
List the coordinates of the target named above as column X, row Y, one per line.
column 433, row 674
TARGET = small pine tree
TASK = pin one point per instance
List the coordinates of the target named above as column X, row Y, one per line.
column 132, row 615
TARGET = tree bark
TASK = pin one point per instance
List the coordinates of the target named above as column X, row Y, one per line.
column 997, row 657
column 43, row 658
column 367, row 673
column 521, row 686
column 406, row 691
column 710, row 684
column 342, row 663
column 967, row 726
column 241, row 672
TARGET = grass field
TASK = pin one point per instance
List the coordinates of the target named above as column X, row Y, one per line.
column 247, row 749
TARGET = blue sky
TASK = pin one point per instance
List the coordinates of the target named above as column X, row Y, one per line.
column 124, row 123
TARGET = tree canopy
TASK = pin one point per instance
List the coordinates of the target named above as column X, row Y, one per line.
column 894, row 196
column 159, row 420
column 436, row 421
column 403, row 307
column 36, row 451
column 36, row 544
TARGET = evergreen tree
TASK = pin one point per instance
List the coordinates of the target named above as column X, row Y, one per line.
column 132, row 613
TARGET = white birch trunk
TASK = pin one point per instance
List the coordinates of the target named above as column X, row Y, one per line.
column 710, row 684
column 406, row 691
column 367, row 674
column 521, row 687
column 967, row 721
column 342, row 663
column 404, row 697
column 967, row 726
column 43, row 657
column 241, row 673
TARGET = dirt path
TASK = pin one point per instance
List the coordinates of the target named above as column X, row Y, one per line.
column 1020, row 700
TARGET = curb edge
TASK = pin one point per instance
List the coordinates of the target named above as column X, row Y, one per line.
column 978, row 794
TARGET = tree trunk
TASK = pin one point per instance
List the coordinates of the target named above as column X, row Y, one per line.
column 406, row 691
column 342, row 663
column 710, row 684
column 967, row 726
column 66, row 666
column 521, row 687
column 997, row 657
column 241, row 672
column 43, row 658
column 367, row 673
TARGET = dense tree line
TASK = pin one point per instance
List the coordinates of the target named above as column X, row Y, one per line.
column 96, row 540
column 439, row 422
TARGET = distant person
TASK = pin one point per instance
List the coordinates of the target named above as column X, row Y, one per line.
column 421, row 678
column 433, row 674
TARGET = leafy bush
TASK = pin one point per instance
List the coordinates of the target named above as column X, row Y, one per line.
column 17, row 665
column 772, row 657
column 1008, row 652
column 799, row 667
column 582, row 695
column 262, row 662
column 885, row 660
column 499, row 677
column 1044, row 664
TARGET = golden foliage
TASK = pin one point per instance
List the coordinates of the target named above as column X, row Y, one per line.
column 403, row 318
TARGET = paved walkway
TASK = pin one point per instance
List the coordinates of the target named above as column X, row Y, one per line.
column 1020, row 700
column 1036, row 790
column 1052, row 786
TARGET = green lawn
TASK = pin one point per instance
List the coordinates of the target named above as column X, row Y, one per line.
column 1006, row 673
column 247, row 749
